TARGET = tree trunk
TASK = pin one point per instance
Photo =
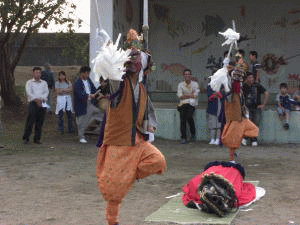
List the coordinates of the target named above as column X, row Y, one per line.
column 7, row 82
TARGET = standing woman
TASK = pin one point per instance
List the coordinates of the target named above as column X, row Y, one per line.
column 63, row 88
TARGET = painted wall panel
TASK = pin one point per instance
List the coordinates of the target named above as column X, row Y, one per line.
column 185, row 34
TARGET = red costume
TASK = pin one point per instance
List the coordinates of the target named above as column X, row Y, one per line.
column 233, row 173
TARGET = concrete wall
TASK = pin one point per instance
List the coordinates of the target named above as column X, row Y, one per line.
column 48, row 47
column 271, row 130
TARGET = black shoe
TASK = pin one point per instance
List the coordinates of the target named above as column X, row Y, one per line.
column 25, row 141
column 286, row 126
column 38, row 142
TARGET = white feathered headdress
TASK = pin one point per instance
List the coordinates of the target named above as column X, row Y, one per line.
column 220, row 77
column 109, row 62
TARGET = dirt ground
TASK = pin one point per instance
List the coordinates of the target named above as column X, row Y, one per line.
column 55, row 183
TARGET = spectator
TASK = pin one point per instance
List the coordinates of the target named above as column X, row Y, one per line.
column 63, row 89
column 252, row 94
column 215, row 104
column 104, row 87
column 187, row 93
column 296, row 97
column 254, row 66
column 102, row 94
column 284, row 105
column 48, row 76
column 85, row 102
column 37, row 93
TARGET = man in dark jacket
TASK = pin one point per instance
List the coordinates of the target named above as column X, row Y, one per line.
column 85, row 102
column 252, row 93
column 48, row 76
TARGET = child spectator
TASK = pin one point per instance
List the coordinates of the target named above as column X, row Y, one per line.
column 284, row 105
column 215, row 104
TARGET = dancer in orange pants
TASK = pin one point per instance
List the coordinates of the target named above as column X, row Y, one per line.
column 237, row 125
column 124, row 154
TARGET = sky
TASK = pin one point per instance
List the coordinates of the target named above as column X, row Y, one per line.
column 82, row 12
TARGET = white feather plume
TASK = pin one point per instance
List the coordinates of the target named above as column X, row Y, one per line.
column 109, row 62
column 218, row 79
column 231, row 36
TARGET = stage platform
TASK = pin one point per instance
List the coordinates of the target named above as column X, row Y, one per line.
column 271, row 130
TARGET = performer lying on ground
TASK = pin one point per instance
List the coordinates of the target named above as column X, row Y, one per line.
column 220, row 189
column 124, row 154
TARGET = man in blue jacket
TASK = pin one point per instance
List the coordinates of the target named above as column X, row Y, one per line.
column 85, row 102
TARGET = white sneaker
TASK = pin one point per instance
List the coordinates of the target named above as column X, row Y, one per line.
column 217, row 142
column 212, row 141
column 254, row 144
column 82, row 141
column 244, row 142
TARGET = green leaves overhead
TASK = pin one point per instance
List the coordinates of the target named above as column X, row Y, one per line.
column 24, row 15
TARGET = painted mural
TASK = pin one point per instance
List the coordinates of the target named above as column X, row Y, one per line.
column 126, row 15
column 293, row 82
column 212, row 25
column 174, row 27
column 175, row 68
column 189, row 39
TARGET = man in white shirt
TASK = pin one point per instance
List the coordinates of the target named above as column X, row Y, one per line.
column 187, row 93
column 37, row 94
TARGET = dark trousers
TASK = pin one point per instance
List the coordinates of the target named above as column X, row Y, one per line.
column 35, row 115
column 186, row 115
column 254, row 116
column 61, row 121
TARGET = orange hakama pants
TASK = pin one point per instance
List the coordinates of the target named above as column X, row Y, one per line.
column 119, row 166
column 234, row 131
